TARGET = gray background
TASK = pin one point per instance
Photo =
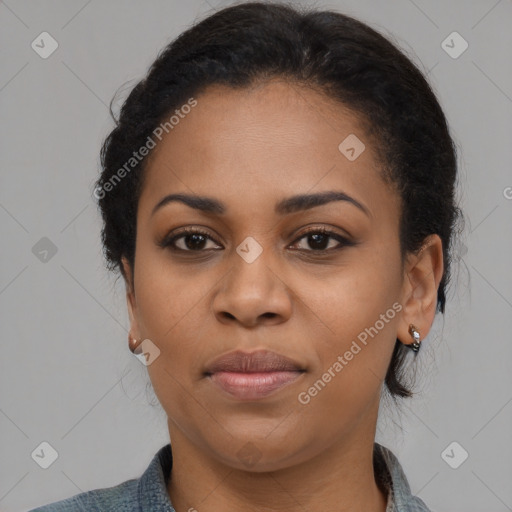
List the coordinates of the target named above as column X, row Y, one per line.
column 66, row 375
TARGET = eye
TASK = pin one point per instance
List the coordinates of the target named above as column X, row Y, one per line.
column 196, row 240
column 318, row 238
column 193, row 240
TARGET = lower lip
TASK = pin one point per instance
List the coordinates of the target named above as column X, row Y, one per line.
column 251, row 386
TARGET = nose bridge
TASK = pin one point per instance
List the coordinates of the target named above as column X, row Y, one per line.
column 252, row 288
column 251, row 272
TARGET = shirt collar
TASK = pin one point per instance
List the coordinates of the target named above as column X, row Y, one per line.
column 391, row 477
column 152, row 486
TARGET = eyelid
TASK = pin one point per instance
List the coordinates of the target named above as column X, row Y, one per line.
column 170, row 238
column 322, row 228
column 343, row 240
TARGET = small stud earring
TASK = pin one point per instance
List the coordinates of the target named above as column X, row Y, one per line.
column 133, row 344
column 415, row 346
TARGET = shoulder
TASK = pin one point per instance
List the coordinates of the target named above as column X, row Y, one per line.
column 149, row 492
column 120, row 498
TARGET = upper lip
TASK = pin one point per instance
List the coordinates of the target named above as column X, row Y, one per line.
column 247, row 362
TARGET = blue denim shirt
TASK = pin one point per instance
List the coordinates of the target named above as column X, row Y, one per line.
column 149, row 492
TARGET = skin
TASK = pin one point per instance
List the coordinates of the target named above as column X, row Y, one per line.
column 250, row 149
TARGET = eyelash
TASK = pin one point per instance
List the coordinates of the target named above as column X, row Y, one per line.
column 169, row 242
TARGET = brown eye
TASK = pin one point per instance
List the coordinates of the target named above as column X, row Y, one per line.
column 316, row 240
column 319, row 239
column 188, row 240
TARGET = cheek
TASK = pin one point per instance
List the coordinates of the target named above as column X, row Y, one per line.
column 169, row 304
column 164, row 292
column 353, row 357
column 354, row 295
column 359, row 310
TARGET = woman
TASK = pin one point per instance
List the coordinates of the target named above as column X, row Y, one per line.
column 278, row 195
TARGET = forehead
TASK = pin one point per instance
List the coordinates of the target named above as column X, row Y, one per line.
column 260, row 144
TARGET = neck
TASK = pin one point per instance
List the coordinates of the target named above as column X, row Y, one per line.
column 341, row 478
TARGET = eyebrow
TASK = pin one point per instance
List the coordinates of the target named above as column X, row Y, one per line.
column 283, row 207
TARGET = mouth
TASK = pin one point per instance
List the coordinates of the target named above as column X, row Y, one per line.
column 252, row 376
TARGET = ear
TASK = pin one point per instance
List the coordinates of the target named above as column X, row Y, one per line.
column 131, row 301
column 423, row 273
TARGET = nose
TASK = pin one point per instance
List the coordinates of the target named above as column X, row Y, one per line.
column 252, row 294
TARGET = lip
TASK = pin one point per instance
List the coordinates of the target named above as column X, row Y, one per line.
column 255, row 375
column 252, row 362
column 253, row 386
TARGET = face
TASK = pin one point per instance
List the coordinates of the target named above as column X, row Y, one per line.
column 319, row 282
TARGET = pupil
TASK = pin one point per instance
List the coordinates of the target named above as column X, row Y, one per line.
column 317, row 239
column 197, row 240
